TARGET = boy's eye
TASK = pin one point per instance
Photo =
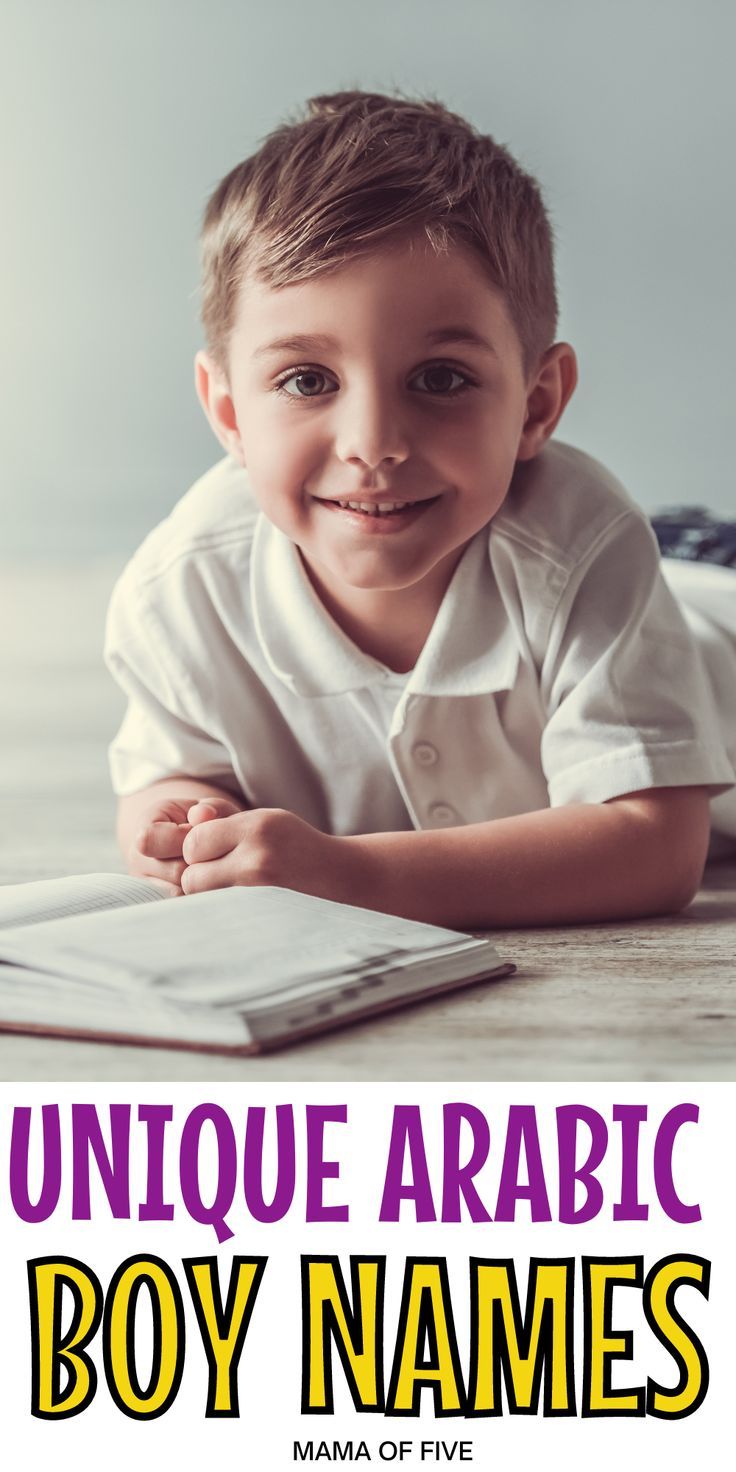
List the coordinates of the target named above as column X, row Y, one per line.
column 438, row 379
column 314, row 383
column 308, row 383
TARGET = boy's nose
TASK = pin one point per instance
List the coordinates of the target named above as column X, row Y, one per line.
column 370, row 430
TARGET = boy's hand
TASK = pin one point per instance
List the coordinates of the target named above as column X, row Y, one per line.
column 157, row 849
column 265, row 846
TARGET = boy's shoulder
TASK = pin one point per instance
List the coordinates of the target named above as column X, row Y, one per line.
column 213, row 522
column 561, row 506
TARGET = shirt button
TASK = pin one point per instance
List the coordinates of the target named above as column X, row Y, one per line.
column 424, row 753
column 442, row 812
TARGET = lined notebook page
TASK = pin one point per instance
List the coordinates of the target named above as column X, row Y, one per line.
column 51, row 899
column 227, row 947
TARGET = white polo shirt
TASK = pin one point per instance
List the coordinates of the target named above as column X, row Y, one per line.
column 559, row 668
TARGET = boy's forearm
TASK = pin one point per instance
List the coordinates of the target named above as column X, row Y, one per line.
column 639, row 855
column 131, row 809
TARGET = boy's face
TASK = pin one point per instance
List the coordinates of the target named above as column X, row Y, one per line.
column 364, row 386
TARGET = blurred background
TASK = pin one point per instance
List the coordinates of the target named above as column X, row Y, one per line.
column 119, row 119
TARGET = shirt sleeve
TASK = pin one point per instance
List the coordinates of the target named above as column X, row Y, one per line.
column 628, row 702
column 162, row 733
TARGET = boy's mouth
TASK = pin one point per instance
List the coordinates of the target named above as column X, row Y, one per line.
column 396, row 512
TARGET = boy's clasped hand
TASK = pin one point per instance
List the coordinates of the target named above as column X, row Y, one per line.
column 213, row 844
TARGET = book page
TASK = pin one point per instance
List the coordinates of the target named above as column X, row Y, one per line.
column 230, row 947
column 76, row 894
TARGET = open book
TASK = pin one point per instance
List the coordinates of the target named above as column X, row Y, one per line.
column 233, row 970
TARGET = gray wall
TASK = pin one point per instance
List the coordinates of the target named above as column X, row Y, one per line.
column 119, row 118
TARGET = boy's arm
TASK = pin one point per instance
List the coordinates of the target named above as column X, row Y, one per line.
column 641, row 854
column 636, row 855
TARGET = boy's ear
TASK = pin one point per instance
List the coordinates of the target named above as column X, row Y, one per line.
column 551, row 389
column 214, row 396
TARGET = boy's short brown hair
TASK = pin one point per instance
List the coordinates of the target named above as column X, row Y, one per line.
column 357, row 169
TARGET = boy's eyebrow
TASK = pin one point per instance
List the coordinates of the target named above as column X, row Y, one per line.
column 460, row 333
column 295, row 345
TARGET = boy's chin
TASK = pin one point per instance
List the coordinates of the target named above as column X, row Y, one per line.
column 369, row 574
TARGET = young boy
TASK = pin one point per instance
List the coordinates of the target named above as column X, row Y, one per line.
column 399, row 648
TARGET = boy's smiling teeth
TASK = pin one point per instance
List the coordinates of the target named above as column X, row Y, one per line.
column 374, row 508
column 377, row 508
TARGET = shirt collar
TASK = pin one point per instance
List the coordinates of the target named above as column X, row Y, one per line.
column 471, row 648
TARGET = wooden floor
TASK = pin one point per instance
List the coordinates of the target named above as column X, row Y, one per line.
column 652, row 1001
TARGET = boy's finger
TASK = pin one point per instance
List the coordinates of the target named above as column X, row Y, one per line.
column 200, row 877
column 170, row 872
column 164, row 872
column 162, row 840
column 207, row 841
column 169, row 891
column 209, row 808
column 201, row 812
column 172, row 812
